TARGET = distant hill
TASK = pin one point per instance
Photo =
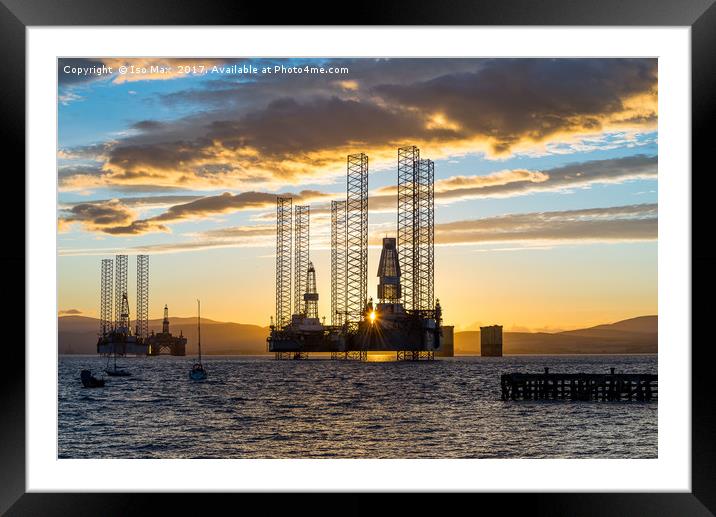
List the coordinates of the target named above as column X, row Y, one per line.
column 78, row 335
column 632, row 336
column 644, row 324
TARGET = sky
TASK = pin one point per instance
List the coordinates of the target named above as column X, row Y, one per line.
column 545, row 179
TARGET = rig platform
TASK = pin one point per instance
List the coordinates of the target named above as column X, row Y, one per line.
column 164, row 341
column 387, row 326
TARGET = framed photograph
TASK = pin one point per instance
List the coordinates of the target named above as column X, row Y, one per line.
column 445, row 252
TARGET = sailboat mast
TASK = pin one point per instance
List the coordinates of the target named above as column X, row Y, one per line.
column 198, row 303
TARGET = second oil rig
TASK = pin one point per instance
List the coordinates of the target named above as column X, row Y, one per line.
column 115, row 333
column 115, row 336
column 165, row 341
column 406, row 319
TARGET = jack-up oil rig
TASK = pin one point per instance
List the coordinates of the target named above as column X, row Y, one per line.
column 407, row 318
column 115, row 334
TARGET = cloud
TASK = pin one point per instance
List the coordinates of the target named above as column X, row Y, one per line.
column 242, row 232
column 285, row 141
column 69, row 312
column 97, row 217
column 68, row 97
column 162, row 201
column 509, row 101
column 495, row 179
column 115, row 216
column 519, row 182
column 630, row 223
column 263, row 132
column 257, row 90
column 613, row 224
column 228, row 202
column 500, row 178
column 575, row 175
column 135, row 228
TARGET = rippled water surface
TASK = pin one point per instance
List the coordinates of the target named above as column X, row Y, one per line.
column 256, row 407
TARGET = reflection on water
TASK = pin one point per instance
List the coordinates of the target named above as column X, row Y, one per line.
column 255, row 407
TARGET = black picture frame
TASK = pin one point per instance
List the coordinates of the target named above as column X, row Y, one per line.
column 700, row 15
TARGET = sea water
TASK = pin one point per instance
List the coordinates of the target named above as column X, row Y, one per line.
column 257, row 407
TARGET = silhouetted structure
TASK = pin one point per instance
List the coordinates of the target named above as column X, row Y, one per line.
column 310, row 296
column 116, row 337
column 301, row 246
column 356, row 236
column 416, row 204
column 106, row 319
column 579, row 386
column 447, row 342
column 357, row 324
column 120, row 288
column 283, row 261
column 338, row 262
column 164, row 341
column 142, row 323
column 491, row 341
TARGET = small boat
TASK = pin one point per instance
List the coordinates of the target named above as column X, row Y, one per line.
column 197, row 372
column 90, row 381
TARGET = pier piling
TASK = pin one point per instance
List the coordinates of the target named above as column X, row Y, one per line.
column 579, row 386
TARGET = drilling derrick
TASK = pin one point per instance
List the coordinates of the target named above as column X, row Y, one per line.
column 425, row 271
column 301, row 255
column 310, row 297
column 416, row 234
column 105, row 307
column 120, row 292
column 283, row 261
column 356, row 236
column 142, row 323
column 165, row 321
column 338, row 262
column 123, row 324
column 408, row 158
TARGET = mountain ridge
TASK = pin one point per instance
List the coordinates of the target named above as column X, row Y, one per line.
column 78, row 335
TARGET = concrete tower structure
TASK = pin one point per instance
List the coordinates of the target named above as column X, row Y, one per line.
column 389, row 273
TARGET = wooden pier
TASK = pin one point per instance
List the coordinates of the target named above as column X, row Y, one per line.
column 579, row 386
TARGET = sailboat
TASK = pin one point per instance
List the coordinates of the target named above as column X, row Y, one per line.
column 197, row 372
column 120, row 335
column 116, row 371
